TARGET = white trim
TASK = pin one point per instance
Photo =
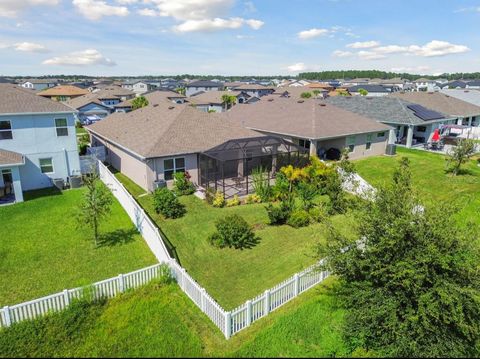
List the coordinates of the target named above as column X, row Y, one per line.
column 11, row 131
column 39, row 113
column 60, row 127
column 40, row 165
column 174, row 169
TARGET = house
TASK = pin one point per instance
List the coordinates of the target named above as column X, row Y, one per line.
column 296, row 92
column 3, row 80
column 314, row 125
column 475, row 84
column 154, row 97
column 151, row 144
column 196, row 87
column 470, row 96
column 62, row 92
column 373, row 90
column 212, row 101
column 355, row 82
column 140, row 86
column 410, row 127
column 427, row 85
column 254, row 90
column 462, row 112
column 38, row 142
column 38, row 84
column 457, row 84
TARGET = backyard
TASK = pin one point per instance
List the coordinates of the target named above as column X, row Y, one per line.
column 430, row 179
column 233, row 276
column 42, row 251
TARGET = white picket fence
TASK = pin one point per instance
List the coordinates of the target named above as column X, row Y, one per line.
column 229, row 323
column 108, row 288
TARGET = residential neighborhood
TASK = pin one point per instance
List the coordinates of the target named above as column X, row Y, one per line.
column 229, row 178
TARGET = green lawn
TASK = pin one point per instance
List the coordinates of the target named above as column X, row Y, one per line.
column 430, row 179
column 42, row 252
column 80, row 130
column 233, row 276
column 159, row 321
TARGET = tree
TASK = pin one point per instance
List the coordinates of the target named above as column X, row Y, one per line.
column 228, row 101
column 96, row 204
column 316, row 92
column 460, row 154
column 306, row 95
column 180, row 90
column 139, row 102
column 363, row 92
column 409, row 278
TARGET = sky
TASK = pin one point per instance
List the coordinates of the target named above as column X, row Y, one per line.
column 237, row 37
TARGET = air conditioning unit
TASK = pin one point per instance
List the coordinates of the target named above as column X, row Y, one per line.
column 391, row 150
column 159, row 184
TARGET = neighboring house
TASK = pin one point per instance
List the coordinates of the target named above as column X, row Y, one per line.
column 470, row 96
column 63, row 93
column 355, row 82
column 155, row 97
column 231, row 85
column 463, row 112
column 3, row 80
column 314, row 124
column 38, row 84
column 140, row 87
column 196, row 87
column 296, row 92
column 410, row 126
column 117, row 91
column 151, row 144
column 38, row 142
column 475, row 84
column 254, row 90
column 212, row 101
column 457, row 84
column 426, row 85
column 373, row 90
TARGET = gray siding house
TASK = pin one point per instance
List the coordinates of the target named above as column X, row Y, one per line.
column 197, row 87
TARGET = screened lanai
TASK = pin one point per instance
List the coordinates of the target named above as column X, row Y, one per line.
column 228, row 167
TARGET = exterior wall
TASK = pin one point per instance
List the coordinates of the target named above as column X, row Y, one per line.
column 377, row 148
column 125, row 162
column 35, row 137
column 206, row 108
column 189, row 91
column 92, row 109
column 372, row 94
column 191, row 166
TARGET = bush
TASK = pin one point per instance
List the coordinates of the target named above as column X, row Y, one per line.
column 166, row 203
column 232, row 231
column 260, row 184
column 279, row 214
column 253, row 198
column 307, row 193
column 299, row 218
column 218, row 200
column 182, row 184
column 235, row 201
column 318, row 214
column 82, row 149
column 209, row 195
column 282, row 186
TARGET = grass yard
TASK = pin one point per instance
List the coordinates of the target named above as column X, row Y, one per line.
column 42, row 251
column 159, row 321
column 80, row 130
column 430, row 179
column 233, row 276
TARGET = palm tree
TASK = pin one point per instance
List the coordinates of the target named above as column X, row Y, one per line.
column 139, row 102
column 228, row 101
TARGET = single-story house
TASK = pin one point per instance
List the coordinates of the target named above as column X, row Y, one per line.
column 254, row 90
column 62, row 93
column 212, row 100
column 373, row 90
column 314, row 125
column 38, row 84
column 154, row 97
column 465, row 113
column 470, row 96
column 411, row 126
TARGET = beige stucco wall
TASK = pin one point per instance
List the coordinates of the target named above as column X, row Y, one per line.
column 377, row 148
column 191, row 165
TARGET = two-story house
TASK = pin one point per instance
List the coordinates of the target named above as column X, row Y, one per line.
column 197, row 87
column 37, row 142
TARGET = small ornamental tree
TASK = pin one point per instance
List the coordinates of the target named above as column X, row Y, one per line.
column 460, row 154
column 306, row 95
column 409, row 277
column 166, row 203
column 139, row 102
column 96, row 204
column 363, row 92
column 233, row 231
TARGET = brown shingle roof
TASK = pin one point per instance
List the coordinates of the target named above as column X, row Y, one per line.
column 210, row 97
column 154, row 98
column 302, row 118
column 440, row 102
column 16, row 99
column 63, row 90
column 253, row 87
column 168, row 129
column 10, row 158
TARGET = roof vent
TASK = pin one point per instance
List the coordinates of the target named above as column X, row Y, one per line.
column 300, row 101
column 171, row 107
column 323, row 104
column 270, row 100
column 155, row 105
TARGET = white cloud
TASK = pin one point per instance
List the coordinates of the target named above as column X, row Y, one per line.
column 312, row 33
column 416, row 70
column 96, row 9
column 370, row 55
column 363, row 45
column 216, row 24
column 88, row 57
column 11, row 8
column 127, row 2
column 438, row 48
column 147, row 12
column 469, row 9
column 339, row 53
column 193, row 9
column 250, row 6
column 298, row 67
column 29, row 47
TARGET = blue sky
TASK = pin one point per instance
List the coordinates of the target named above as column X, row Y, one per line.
column 254, row 37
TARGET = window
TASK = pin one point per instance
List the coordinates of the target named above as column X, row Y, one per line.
column 61, row 125
column 381, row 134
column 304, row 143
column 62, row 98
column 421, row 129
column 46, row 165
column 351, row 143
column 6, row 130
column 369, row 142
column 173, row 165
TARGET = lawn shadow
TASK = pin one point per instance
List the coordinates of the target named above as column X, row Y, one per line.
column 39, row 193
column 117, row 238
column 461, row 172
column 250, row 243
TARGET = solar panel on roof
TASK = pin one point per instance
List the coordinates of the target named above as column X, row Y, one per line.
column 424, row 113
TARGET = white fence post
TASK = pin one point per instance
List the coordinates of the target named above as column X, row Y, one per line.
column 66, row 297
column 182, row 285
column 267, row 302
column 296, row 289
column 249, row 312
column 203, row 300
column 228, row 325
column 121, row 283
column 6, row 314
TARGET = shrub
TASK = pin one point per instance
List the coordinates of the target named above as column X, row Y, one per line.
column 182, row 184
column 232, row 231
column 299, row 218
column 260, row 184
column 235, row 201
column 253, row 198
column 279, row 214
column 307, row 193
column 209, row 195
column 306, row 95
column 318, row 214
column 82, row 148
column 218, row 200
column 281, row 188
column 166, row 203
